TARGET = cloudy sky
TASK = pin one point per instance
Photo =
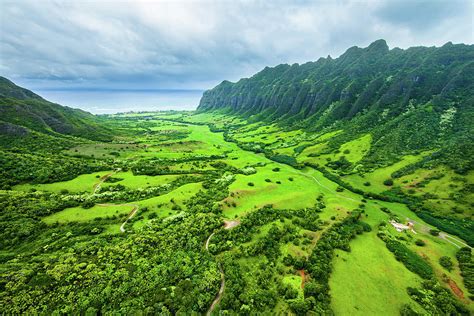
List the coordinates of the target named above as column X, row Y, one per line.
column 92, row 46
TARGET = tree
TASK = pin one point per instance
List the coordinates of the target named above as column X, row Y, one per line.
column 446, row 263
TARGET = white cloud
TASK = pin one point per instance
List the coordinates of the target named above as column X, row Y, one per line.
column 196, row 44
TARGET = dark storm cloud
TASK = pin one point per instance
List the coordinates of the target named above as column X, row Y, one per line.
column 196, row 44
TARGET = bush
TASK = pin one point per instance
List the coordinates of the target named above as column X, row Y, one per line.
column 446, row 263
column 276, row 169
column 420, row 242
column 367, row 184
column 268, row 180
column 434, row 232
column 250, row 184
column 88, row 204
column 388, row 182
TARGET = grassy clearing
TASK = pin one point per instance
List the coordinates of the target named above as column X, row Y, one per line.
column 377, row 283
column 79, row 214
column 105, row 150
column 170, row 203
column 82, row 183
column 289, row 194
column 354, row 151
column 135, row 182
column 377, row 177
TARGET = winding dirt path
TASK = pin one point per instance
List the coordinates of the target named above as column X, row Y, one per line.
column 130, row 215
column 97, row 185
column 448, row 238
column 228, row 224
column 325, row 187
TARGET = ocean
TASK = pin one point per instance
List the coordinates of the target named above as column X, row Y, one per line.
column 116, row 101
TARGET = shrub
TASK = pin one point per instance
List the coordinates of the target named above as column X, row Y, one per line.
column 411, row 260
column 276, row 169
column 388, row 182
column 250, row 184
column 434, row 232
column 420, row 242
column 446, row 263
column 367, row 184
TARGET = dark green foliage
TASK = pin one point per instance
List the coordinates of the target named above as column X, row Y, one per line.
column 446, row 263
column 23, row 109
column 20, row 215
column 388, row 182
column 434, row 232
column 341, row 164
column 436, row 300
column 466, row 264
column 289, row 160
column 38, row 168
column 463, row 228
column 411, row 260
column 99, row 275
column 420, row 242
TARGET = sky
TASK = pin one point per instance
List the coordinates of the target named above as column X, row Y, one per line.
column 108, row 55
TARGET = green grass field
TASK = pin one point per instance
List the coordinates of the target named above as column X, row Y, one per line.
column 79, row 214
column 82, row 183
column 377, row 283
column 369, row 280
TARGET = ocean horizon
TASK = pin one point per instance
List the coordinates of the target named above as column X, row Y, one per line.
column 110, row 101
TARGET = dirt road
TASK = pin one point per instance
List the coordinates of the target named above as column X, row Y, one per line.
column 228, row 224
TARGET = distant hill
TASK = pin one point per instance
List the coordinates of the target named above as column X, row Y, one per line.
column 416, row 99
column 22, row 111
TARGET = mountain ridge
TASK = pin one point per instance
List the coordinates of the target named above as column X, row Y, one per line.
column 22, row 110
column 410, row 99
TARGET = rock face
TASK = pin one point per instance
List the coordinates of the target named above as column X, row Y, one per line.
column 409, row 100
column 361, row 80
column 12, row 130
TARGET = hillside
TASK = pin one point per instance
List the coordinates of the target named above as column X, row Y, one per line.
column 409, row 100
column 22, row 111
column 34, row 132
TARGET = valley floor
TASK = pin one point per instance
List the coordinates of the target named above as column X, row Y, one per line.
column 181, row 179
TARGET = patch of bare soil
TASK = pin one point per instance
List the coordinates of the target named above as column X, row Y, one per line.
column 459, row 293
column 230, row 224
column 303, row 278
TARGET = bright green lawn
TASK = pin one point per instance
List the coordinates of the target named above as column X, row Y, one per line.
column 369, row 280
column 79, row 214
column 82, row 183
column 140, row 181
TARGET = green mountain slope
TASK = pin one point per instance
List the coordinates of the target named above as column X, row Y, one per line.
column 34, row 133
column 22, row 110
column 409, row 100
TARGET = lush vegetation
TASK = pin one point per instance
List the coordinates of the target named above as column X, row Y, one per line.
column 341, row 186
